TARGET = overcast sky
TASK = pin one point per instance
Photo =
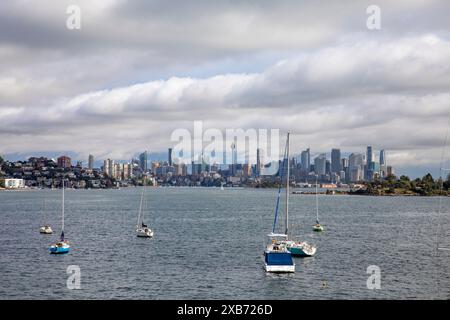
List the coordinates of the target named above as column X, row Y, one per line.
column 137, row 70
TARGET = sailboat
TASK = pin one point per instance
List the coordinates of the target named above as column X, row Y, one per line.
column 142, row 230
column 297, row 248
column 317, row 227
column 62, row 246
column 277, row 257
column 46, row 229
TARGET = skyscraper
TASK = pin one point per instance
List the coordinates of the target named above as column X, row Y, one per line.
column 355, row 167
column 91, row 162
column 306, row 160
column 320, row 164
column 369, row 154
column 143, row 161
column 170, row 156
column 336, row 165
column 383, row 166
column 382, row 158
column 258, row 162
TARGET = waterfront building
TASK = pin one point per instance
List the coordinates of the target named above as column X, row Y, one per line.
column 14, row 183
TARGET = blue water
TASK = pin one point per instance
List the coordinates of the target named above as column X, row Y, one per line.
column 209, row 243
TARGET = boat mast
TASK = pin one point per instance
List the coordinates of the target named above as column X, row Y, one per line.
column 140, row 205
column 317, row 200
column 287, row 187
column 62, row 207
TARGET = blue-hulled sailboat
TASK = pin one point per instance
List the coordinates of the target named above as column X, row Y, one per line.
column 277, row 257
column 62, row 246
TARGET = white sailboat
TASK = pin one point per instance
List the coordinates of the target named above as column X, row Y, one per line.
column 61, row 246
column 142, row 230
column 297, row 248
column 46, row 229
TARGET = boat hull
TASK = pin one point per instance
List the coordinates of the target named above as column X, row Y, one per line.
column 59, row 250
column 317, row 228
column 301, row 250
column 144, row 233
column 279, row 262
column 45, row 231
column 279, row 269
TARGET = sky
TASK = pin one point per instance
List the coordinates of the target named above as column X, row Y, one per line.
column 138, row 70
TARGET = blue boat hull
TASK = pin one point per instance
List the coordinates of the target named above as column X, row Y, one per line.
column 54, row 250
column 279, row 262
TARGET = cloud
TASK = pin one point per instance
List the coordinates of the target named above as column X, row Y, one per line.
column 138, row 70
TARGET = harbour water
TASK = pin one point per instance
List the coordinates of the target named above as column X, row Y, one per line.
column 209, row 244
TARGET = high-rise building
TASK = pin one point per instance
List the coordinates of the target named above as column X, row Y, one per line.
column 305, row 160
column 259, row 162
column 320, row 164
column 91, row 162
column 143, row 161
column 336, row 165
column 383, row 165
column 355, row 167
column 64, row 162
column 370, row 165
column 170, row 156
column 369, row 156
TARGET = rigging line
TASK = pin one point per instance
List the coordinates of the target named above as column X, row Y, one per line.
column 441, row 187
column 279, row 188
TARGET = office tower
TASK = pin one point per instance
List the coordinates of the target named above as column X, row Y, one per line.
column 370, row 165
column 369, row 157
column 170, row 156
column 383, row 166
column 64, row 162
column 143, row 161
column 390, row 170
column 320, row 165
column 105, row 166
column 79, row 164
column 382, row 157
column 327, row 167
column 306, row 160
column 258, row 162
column 355, row 167
column 91, row 162
column 233, row 159
column 336, row 165
column 247, row 170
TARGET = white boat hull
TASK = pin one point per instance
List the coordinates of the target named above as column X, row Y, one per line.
column 46, row 230
column 144, row 233
column 280, row 269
